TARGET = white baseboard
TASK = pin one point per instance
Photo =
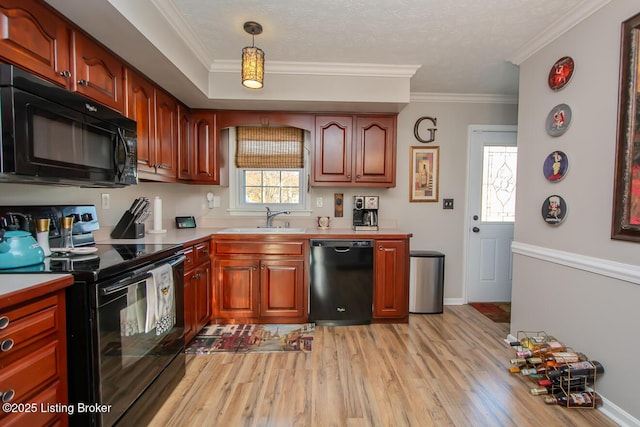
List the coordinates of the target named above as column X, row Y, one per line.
column 454, row 301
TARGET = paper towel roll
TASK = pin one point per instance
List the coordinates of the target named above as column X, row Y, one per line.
column 157, row 216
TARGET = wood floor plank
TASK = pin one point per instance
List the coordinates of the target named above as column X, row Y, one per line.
column 448, row 369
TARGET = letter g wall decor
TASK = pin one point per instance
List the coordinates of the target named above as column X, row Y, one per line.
column 432, row 131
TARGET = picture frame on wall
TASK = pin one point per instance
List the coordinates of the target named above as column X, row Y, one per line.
column 424, row 171
column 626, row 204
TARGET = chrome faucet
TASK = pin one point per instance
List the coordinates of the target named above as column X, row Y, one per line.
column 270, row 216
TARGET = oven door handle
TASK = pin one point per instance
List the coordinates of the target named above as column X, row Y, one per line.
column 124, row 283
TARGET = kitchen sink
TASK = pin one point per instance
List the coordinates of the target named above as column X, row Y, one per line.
column 263, row 230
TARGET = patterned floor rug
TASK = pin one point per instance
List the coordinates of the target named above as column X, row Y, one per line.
column 253, row 339
column 499, row 312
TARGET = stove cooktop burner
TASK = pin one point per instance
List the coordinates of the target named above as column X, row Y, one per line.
column 109, row 260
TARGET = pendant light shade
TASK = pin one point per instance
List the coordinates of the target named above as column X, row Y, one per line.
column 252, row 59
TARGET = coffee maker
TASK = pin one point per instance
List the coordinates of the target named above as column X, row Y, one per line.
column 365, row 213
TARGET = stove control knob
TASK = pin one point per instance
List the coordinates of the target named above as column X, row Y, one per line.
column 87, row 217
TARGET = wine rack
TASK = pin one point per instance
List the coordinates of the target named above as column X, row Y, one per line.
column 560, row 383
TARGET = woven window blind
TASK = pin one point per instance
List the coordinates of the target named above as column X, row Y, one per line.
column 271, row 148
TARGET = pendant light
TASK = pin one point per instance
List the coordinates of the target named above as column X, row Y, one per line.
column 252, row 59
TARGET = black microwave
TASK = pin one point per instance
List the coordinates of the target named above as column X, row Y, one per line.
column 52, row 135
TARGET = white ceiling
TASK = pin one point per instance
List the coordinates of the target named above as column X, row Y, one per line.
column 454, row 47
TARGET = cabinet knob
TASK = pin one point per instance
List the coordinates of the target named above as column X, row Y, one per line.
column 4, row 322
column 380, row 248
column 8, row 395
column 262, row 267
column 196, row 276
column 358, row 176
column 349, row 176
column 255, row 267
column 6, row 345
column 83, row 82
column 66, row 74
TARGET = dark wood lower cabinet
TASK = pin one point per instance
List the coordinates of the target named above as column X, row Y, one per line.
column 391, row 284
column 260, row 281
column 197, row 289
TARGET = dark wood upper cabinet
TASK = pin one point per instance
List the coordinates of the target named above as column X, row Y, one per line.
column 204, row 147
column 98, row 73
column 185, row 158
column 166, row 159
column 35, row 38
column 358, row 151
column 141, row 107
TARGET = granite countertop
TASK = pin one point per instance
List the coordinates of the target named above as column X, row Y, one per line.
column 16, row 287
column 175, row 236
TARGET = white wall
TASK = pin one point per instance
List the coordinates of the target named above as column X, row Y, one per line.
column 561, row 282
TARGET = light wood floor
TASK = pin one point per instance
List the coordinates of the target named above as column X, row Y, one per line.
column 438, row 370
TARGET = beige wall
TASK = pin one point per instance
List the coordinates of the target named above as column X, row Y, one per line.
column 566, row 278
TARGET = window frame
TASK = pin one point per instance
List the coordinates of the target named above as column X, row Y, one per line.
column 237, row 205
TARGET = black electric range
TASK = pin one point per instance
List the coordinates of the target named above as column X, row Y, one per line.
column 115, row 358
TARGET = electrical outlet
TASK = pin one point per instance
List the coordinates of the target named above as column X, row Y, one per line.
column 106, row 201
column 318, row 202
column 216, row 201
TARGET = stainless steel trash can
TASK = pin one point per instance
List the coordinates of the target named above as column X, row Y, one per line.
column 426, row 282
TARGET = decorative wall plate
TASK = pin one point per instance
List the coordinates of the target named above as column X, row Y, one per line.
column 558, row 120
column 555, row 166
column 554, row 210
column 561, row 73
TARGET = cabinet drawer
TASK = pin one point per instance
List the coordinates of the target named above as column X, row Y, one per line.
column 27, row 374
column 268, row 248
column 38, row 417
column 190, row 261
column 201, row 251
column 26, row 323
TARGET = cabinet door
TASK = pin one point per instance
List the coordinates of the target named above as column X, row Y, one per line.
column 36, row 39
column 98, row 73
column 141, row 107
column 237, row 288
column 189, row 306
column 391, row 287
column 202, row 296
column 204, row 147
column 185, row 158
column 166, row 135
column 375, row 150
column 333, row 149
column 282, row 288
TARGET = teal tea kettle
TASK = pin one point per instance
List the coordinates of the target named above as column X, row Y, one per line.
column 18, row 248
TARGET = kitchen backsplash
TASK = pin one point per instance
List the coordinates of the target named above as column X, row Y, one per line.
column 183, row 200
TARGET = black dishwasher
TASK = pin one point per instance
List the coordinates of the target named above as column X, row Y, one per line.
column 341, row 286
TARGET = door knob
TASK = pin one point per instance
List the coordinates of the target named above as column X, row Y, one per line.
column 475, row 229
column 475, row 217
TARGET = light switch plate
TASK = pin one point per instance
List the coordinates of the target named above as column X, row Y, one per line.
column 447, row 203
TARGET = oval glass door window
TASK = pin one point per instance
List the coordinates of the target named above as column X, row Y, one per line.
column 554, row 210
column 561, row 73
column 555, row 166
column 558, row 120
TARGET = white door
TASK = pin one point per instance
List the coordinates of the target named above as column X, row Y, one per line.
column 491, row 197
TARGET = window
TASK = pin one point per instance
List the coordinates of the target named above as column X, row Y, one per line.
column 499, row 183
column 271, row 168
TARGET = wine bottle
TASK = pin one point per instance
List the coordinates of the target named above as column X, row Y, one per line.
column 572, row 400
column 559, row 358
column 566, row 383
column 583, row 368
column 553, row 391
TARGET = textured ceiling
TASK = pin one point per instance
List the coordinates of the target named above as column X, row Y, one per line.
column 462, row 46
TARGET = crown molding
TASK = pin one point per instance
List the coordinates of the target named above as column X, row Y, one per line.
column 464, row 98
column 557, row 28
column 322, row 68
column 174, row 18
